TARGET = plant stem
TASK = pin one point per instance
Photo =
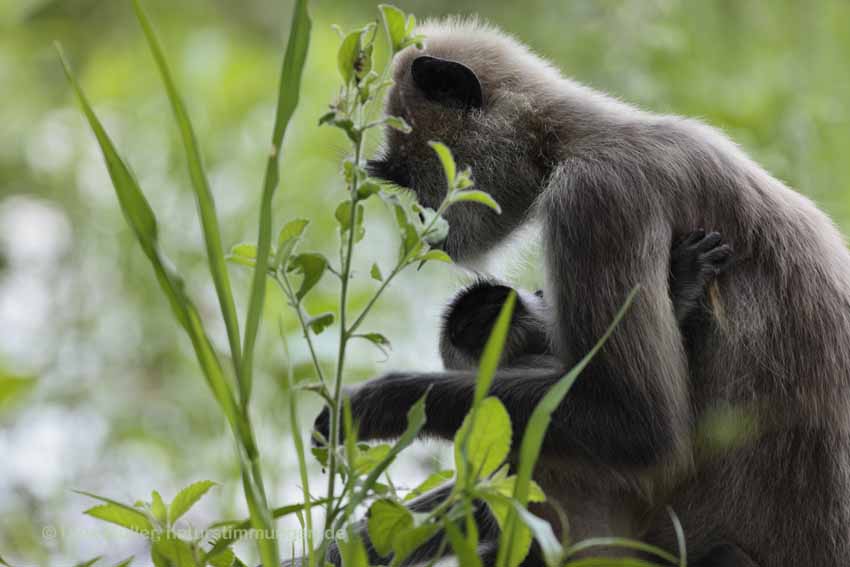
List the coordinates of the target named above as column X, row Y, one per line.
column 336, row 410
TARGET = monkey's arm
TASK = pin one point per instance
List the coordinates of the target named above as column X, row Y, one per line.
column 595, row 421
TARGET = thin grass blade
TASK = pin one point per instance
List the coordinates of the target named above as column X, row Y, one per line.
column 532, row 440
column 203, row 194
column 142, row 221
column 289, row 89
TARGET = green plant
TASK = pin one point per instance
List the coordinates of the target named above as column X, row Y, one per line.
column 355, row 470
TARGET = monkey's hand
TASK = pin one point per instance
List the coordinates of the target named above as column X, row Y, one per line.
column 378, row 410
column 694, row 263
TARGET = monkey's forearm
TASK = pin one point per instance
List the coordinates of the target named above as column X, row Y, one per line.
column 602, row 418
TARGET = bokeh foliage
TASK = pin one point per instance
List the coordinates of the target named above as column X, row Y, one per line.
column 117, row 394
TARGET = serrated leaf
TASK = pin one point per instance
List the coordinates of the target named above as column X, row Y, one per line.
column 435, row 480
column 320, row 454
column 541, row 530
column 410, row 540
column 375, row 272
column 320, row 322
column 387, row 520
column 347, row 55
column 394, row 25
column 158, row 508
column 365, row 461
column 312, row 267
column 489, row 441
column 398, row 123
column 343, row 216
column 367, row 189
column 122, row 516
column 476, row 196
column 447, row 160
column 437, row 255
column 288, row 238
column 187, row 498
column 175, row 551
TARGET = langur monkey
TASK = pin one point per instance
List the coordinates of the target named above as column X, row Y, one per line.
column 612, row 186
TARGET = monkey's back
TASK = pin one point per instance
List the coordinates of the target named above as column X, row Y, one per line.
column 770, row 371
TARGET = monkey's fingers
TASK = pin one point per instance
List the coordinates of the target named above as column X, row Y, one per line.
column 709, row 241
column 717, row 259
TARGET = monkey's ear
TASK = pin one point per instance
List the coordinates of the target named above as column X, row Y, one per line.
column 447, row 82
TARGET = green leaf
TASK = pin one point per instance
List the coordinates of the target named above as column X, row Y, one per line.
column 187, row 498
column 398, row 123
column 353, row 552
column 387, row 519
column 622, row 543
column 200, row 184
column 243, row 253
column 488, row 443
column 311, row 266
column 158, row 508
column 410, row 540
column 367, row 189
column 552, row 550
column 437, row 255
column 535, row 431
column 122, row 516
column 465, row 551
column 365, row 461
column 13, row 387
column 231, row 531
column 320, row 322
column 343, row 216
column 287, row 100
column 394, row 25
column 447, row 160
column 476, row 196
column 125, row 563
column 437, row 227
column 493, row 348
column 222, row 559
column 377, row 339
column 175, row 551
column 346, row 57
column 288, row 238
column 88, row 563
column 375, row 272
column 435, row 480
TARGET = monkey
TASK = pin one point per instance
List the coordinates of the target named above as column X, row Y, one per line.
column 467, row 322
column 611, row 184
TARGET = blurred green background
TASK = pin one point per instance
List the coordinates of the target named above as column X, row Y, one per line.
column 116, row 404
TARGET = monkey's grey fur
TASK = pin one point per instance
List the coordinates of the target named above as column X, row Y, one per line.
column 613, row 185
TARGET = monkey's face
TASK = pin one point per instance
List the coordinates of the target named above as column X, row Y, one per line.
column 453, row 93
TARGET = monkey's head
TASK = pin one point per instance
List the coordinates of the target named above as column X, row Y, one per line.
column 469, row 319
column 478, row 91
